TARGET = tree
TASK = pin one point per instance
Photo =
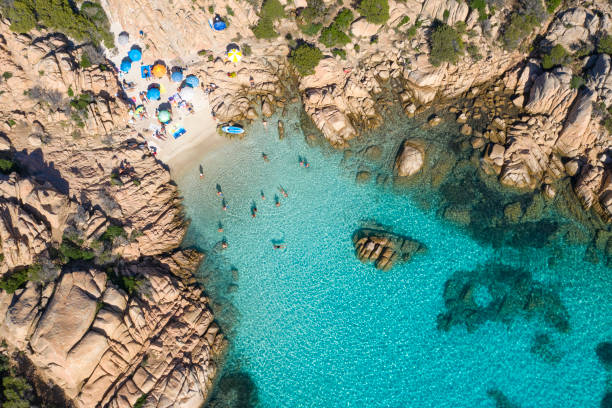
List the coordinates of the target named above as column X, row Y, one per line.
column 605, row 45
column 305, row 58
column 374, row 11
column 557, row 56
column 446, row 45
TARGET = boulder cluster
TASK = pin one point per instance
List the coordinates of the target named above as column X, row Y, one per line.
column 384, row 249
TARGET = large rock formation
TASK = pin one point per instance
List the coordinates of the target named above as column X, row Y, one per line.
column 409, row 159
column 383, row 248
column 126, row 320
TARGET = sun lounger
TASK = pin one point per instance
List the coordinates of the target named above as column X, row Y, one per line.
column 145, row 71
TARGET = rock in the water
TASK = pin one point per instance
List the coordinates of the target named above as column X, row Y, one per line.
column 281, row 130
column 363, row 176
column 434, row 120
column 383, row 248
column 466, row 130
column 409, row 160
column 604, row 352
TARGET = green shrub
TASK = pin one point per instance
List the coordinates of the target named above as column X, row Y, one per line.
column 70, row 91
column 89, row 23
column 374, row 11
column 551, row 5
column 140, row 401
column 557, row 56
column 272, row 9
column 518, row 29
column 17, row 392
column 112, row 232
column 576, row 82
column 481, row 6
column 71, row 250
column 604, row 46
column 211, row 9
column 6, row 166
column 343, row 19
column 229, row 10
column 445, row 15
column 7, row 75
column 128, row 283
column 81, row 103
column 305, row 58
column 357, row 48
column 316, row 10
column 404, row 20
column 310, row 28
column 85, row 61
column 446, row 45
column 264, row 29
column 474, row 52
column 608, row 124
column 246, row 49
column 10, row 282
column 331, row 36
column 340, row 52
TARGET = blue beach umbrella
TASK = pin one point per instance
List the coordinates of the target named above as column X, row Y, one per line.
column 177, row 76
column 192, row 80
column 135, row 54
column 153, row 93
column 219, row 25
column 126, row 65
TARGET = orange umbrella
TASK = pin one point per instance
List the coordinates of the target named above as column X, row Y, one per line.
column 159, row 70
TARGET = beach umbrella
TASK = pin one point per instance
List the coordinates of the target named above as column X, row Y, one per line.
column 153, row 93
column 126, row 65
column 163, row 116
column 219, row 24
column 234, row 55
column 177, row 76
column 135, row 54
column 123, row 38
column 192, row 80
column 158, row 70
column 140, row 109
column 186, row 93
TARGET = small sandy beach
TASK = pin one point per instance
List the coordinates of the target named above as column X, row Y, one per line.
column 180, row 154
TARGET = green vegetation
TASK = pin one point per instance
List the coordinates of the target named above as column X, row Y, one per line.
column 12, row 281
column 85, row 61
column 112, row 232
column 72, row 249
column 310, row 28
column 6, row 166
column 140, row 401
column 16, row 392
column 404, row 20
column 481, row 6
column 316, row 10
column 557, row 56
column 576, row 82
column 446, row 45
column 374, row 11
column 474, row 52
column 70, row 91
column 335, row 34
column 305, row 58
column 271, row 10
column 229, row 10
column 520, row 26
column 551, row 5
column 89, row 23
column 340, row 52
column 604, row 46
column 7, row 75
column 128, row 283
column 79, row 108
column 246, row 49
column 211, row 9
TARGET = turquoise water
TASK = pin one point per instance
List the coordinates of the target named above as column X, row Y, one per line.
column 311, row 326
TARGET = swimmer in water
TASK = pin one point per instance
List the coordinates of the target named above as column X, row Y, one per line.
column 307, row 164
column 265, row 157
column 263, row 196
column 201, row 172
column 282, row 190
column 276, row 200
column 224, row 244
column 277, row 246
column 220, row 229
column 224, row 205
column 220, row 193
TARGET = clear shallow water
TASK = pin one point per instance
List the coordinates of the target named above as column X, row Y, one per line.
column 313, row 327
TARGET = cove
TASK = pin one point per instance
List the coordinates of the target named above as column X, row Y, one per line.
column 311, row 326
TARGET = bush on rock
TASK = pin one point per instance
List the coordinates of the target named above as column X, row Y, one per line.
column 374, row 11
column 305, row 58
column 446, row 45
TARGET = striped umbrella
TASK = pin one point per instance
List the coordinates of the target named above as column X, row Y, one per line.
column 234, row 55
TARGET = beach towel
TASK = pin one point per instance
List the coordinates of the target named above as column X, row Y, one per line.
column 162, row 90
column 146, row 68
column 179, row 133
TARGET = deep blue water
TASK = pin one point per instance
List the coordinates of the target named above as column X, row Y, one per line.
column 311, row 326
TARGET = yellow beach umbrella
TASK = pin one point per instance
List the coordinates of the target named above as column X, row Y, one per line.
column 234, row 55
column 159, row 70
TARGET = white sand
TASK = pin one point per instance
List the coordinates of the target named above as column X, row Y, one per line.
column 181, row 154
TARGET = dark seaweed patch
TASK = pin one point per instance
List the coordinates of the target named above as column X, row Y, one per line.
column 234, row 390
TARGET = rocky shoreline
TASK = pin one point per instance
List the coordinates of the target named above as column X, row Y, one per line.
column 93, row 223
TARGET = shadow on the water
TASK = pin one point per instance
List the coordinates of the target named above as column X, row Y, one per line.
column 234, row 390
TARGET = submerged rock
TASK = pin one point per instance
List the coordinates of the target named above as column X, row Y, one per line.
column 513, row 293
column 409, row 159
column 604, row 352
column 383, row 248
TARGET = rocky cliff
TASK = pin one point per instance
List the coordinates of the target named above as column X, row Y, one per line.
column 95, row 293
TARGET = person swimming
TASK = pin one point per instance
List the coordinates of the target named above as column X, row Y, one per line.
column 224, row 244
column 224, row 204
column 220, row 193
column 282, row 190
column 265, row 157
column 263, row 196
column 220, row 229
column 279, row 246
column 201, row 172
